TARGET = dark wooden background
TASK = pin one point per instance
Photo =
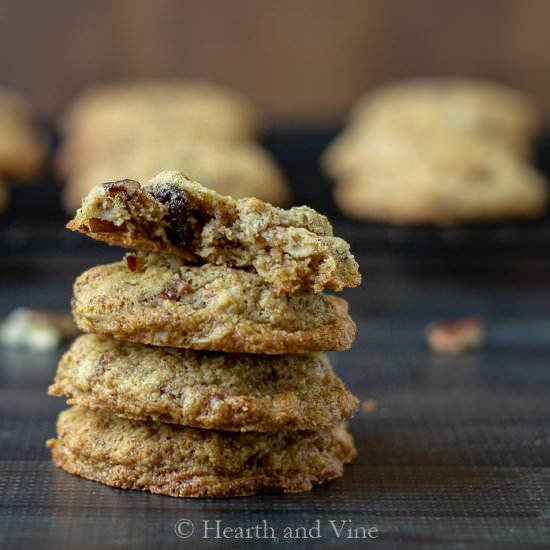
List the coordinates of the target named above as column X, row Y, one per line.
column 303, row 61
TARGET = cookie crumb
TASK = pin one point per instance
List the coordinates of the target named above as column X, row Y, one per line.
column 370, row 405
column 36, row 330
column 456, row 336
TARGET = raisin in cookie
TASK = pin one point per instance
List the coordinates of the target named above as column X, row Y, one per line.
column 158, row 300
column 224, row 391
column 187, row 462
column 290, row 249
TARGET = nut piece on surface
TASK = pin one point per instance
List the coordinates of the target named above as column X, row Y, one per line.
column 456, row 336
column 370, row 405
column 36, row 330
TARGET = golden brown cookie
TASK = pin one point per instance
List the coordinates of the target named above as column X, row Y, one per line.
column 22, row 151
column 415, row 176
column 290, row 249
column 486, row 110
column 223, row 391
column 106, row 121
column 187, row 462
column 160, row 301
column 237, row 170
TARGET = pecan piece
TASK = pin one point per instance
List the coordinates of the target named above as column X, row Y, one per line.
column 370, row 405
column 456, row 336
column 134, row 262
column 115, row 187
column 97, row 225
column 131, row 262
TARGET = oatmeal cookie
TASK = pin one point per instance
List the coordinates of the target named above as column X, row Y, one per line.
column 290, row 249
column 187, row 462
column 159, row 300
column 106, row 121
column 22, row 151
column 224, row 391
column 416, row 177
column 487, row 110
column 236, row 170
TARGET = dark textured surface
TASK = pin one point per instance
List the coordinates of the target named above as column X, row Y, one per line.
column 455, row 455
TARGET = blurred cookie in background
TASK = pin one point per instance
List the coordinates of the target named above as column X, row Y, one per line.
column 486, row 109
column 411, row 178
column 241, row 170
column 136, row 130
column 22, row 150
column 438, row 151
column 107, row 120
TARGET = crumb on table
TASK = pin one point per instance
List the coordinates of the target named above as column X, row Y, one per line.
column 456, row 336
column 36, row 330
column 370, row 405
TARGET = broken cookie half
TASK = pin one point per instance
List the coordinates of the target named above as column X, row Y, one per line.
column 291, row 249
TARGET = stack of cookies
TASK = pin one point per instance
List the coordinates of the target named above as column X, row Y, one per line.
column 142, row 128
column 203, row 372
column 438, row 151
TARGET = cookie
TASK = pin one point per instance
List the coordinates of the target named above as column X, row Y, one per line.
column 106, row 121
column 236, row 170
column 234, row 392
column 187, row 462
column 161, row 301
column 290, row 249
column 486, row 109
column 22, row 151
column 415, row 177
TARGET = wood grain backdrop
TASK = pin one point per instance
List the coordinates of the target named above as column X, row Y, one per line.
column 303, row 61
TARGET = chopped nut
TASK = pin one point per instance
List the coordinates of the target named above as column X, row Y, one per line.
column 131, row 262
column 177, row 289
column 370, row 405
column 134, row 263
column 115, row 187
column 36, row 330
column 456, row 336
column 103, row 226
